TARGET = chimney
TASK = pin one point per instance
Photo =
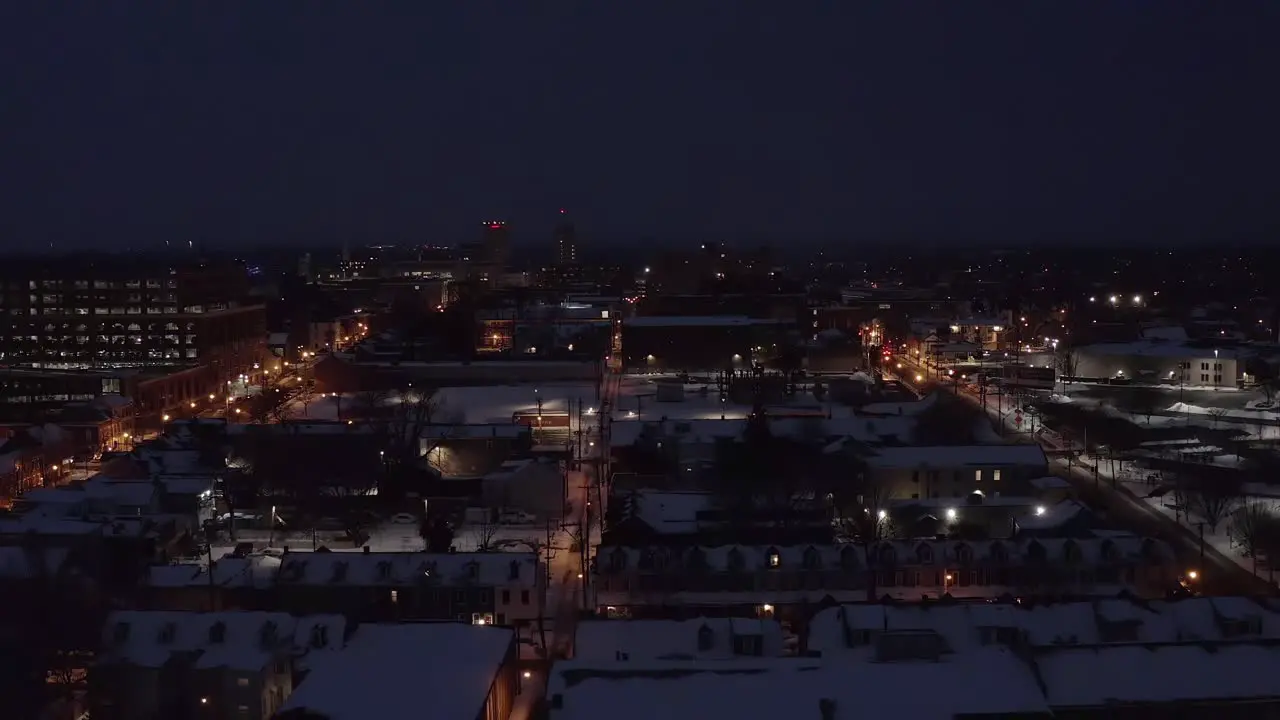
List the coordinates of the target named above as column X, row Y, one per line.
column 365, row 550
column 827, row 706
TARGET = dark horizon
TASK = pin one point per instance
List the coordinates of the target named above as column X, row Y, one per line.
column 929, row 123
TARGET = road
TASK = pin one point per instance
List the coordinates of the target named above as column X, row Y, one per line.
column 1219, row 575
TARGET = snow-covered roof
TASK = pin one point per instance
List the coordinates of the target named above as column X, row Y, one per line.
column 847, row 629
column 989, row 681
column 41, row 524
column 626, row 640
column 1085, row 551
column 235, row 639
column 1091, row 677
column 869, row 430
column 368, row 569
column 405, row 672
column 256, row 570
column 958, row 456
column 1053, row 516
column 670, row 511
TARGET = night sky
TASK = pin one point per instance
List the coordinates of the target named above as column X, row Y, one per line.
column 125, row 122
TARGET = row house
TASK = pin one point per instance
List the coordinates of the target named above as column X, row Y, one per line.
column 226, row 665
column 479, row 588
column 781, row 580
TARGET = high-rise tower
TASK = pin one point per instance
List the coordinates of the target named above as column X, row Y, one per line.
column 566, row 241
column 496, row 243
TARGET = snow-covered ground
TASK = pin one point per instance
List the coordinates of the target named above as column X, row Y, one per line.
column 1141, row 482
column 1263, row 427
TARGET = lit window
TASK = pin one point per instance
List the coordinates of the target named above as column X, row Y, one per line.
column 995, row 475
column 977, row 476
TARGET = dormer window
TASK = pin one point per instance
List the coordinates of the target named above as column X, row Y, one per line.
column 1109, row 552
column 964, row 553
column 167, row 633
column 218, row 632
column 513, row 570
column 735, row 561
column 648, row 559
column 887, row 555
column 319, row 636
column 697, row 559
column 812, row 559
column 999, row 553
column 618, row 560
column 473, row 570
column 849, row 558
column 706, row 638
column 773, row 558
column 924, row 555
column 384, row 570
column 1071, row 552
column 1036, row 552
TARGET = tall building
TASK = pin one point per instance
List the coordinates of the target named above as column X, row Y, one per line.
column 496, row 243
column 566, row 241
column 97, row 312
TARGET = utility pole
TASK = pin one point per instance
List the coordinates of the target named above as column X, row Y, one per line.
column 213, row 588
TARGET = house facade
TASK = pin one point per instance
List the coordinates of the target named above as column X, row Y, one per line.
column 956, row 471
column 786, row 581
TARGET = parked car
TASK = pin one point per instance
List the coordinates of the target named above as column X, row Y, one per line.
column 516, row 517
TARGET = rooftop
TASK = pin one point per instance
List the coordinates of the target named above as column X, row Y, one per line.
column 236, row 640
column 675, row 639
column 993, row 682
column 952, row 456
column 405, row 672
column 399, row 568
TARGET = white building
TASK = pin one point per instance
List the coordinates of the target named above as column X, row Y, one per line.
column 1156, row 361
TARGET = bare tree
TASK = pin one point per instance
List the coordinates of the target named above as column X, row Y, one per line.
column 370, row 404
column 1212, row 501
column 1217, row 414
column 1254, row 525
column 271, row 403
column 485, row 533
column 1067, row 363
column 408, row 422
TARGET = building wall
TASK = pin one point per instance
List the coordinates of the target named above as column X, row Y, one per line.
column 504, row 688
column 686, row 347
column 940, row 482
column 537, row 488
column 1192, row 370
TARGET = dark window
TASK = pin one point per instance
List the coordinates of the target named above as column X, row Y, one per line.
column 506, row 597
column 524, row 597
